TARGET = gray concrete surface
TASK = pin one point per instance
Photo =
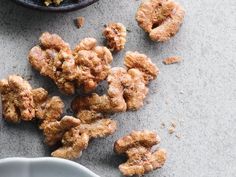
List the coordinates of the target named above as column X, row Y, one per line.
column 199, row 93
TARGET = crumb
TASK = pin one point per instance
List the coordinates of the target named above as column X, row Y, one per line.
column 80, row 22
column 172, row 128
column 56, row 2
column 163, row 125
column 178, row 136
column 172, row 60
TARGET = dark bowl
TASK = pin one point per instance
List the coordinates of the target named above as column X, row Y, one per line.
column 65, row 6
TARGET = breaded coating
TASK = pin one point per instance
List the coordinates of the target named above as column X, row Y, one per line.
column 93, row 63
column 172, row 60
column 115, row 34
column 54, row 59
column 75, row 140
column 127, row 88
column 54, row 130
column 17, row 99
column 86, row 66
column 137, row 146
column 160, row 18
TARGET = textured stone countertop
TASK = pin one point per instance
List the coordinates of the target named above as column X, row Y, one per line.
column 199, row 94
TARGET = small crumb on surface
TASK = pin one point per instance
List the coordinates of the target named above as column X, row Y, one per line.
column 80, row 22
column 172, row 128
column 172, row 60
column 163, row 125
column 178, row 136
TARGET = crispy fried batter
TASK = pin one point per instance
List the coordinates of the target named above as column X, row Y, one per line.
column 137, row 146
column 93, row 63
column 17, row 99
column 115, row 34
column 160, row 18
column 93, row 125
column 127, row 89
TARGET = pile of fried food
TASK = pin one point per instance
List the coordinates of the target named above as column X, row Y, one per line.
column 86, row 66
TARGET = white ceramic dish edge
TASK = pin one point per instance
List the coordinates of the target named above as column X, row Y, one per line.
column 7, row 163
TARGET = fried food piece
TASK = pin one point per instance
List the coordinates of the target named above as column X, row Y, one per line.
column 115, row 34
column 172, row 60
column 160, row 18
column 93, row 63
column 74, row 141
column 56, row 2
column 54, row 130
column 54, row 59
column 17, row 99
column 127, row 88
column 137, row 146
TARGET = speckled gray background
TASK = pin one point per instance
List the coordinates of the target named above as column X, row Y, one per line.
column 199, row 93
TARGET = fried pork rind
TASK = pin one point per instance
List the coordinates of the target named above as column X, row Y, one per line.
column 93, row 63
column 74, row 141
column 127, row 88
column 160, row 18
column 115, row 34
column 53, row 58
column 17, row 99
column 137, row 146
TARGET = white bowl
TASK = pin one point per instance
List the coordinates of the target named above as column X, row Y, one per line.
column 42, row 167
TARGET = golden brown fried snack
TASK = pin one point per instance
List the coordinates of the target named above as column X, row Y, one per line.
column 127, row 89
column 137, row 146
column 115, row 34
column 160, row 18
column 54, row 59
column 93, row 63
column 17, row 99
column 75, row 140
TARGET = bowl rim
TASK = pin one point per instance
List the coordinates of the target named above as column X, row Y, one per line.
column 48, row 159
column 68, row 8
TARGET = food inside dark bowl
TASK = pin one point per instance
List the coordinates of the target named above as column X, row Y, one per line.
column 56, row 5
